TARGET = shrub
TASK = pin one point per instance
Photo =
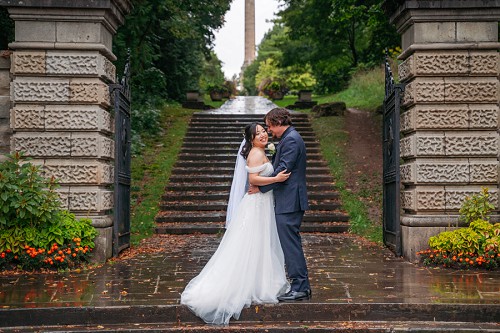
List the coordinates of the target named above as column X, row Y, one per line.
column 476, row 207
column 477, row 246
column 34, row 231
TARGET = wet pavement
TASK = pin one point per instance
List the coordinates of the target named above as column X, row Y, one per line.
column 343, row 269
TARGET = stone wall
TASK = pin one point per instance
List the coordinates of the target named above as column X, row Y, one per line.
column 5, row 131
column 60, row 102
column 449, row 125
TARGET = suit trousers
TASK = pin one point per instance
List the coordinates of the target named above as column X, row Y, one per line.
column 288, row 225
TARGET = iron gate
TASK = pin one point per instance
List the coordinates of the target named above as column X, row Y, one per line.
column 391, row 179
column 120, row 94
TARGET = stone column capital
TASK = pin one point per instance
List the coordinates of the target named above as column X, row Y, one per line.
column 412, row 11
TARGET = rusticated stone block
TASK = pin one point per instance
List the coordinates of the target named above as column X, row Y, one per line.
column 28, row 62
column 483, row 116
column 80, row 171
column 455, row 195
column 40, row 90
column 472, row 90
column 89, row 91
column 449, row 171
column 26, row 117
column 42, row 144
column 450, row 117
column 72, row 63
column 85, row 199
column 428, row 90
column 451, row 63
column 424, row 199
column 78, row 117
column 80, row 64
column 422, row 145
column 484, row 63
column 436, row 198
column 93, row 145
column 471, row 144
column 435, row 171
column 484, row 171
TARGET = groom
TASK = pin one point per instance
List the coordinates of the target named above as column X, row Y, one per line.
column 290, row 199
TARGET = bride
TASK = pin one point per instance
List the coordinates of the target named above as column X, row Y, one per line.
column 248, row 266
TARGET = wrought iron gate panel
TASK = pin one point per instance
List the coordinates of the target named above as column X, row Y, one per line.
column 391, row 177
column 121, row 227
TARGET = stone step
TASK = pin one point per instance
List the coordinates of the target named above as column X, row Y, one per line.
column 207, row 151
column 219, row 143
column 230, row 164
column 429, row 316
column 278, row 327
column 202, row 186
column 238, row 136
column 210, row 169
column 204, row 204
column 180, row 228
column 229, row 177
column 231, row 157
column 179, row 216
column 172, row 195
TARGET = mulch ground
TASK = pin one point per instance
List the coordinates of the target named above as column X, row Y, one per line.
column 364, row 159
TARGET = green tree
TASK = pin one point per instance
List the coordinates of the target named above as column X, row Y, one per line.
column 172, row 36
column 335, row 37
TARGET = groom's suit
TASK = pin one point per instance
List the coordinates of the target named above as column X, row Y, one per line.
column 290, row 203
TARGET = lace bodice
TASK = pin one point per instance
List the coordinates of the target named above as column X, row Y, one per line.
column 265, row 169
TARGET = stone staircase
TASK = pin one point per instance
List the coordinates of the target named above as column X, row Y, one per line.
column 196, row 196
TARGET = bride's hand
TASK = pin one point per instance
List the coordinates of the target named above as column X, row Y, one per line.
column 252, row 189
column 282, row 176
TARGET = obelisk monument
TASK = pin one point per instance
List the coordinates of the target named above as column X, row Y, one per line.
column 249, row 32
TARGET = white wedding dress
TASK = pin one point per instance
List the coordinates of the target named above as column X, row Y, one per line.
column 248, row 266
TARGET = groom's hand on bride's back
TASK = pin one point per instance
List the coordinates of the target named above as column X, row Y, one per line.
column 252, row 189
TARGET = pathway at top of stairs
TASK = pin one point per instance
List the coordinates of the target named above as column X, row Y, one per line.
column 197, row 193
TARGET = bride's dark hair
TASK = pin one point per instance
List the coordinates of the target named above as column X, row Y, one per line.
column 250, row 132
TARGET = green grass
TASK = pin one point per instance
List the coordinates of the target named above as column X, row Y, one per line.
column 152, row 168
column 366, row 91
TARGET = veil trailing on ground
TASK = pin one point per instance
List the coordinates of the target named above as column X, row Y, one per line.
column 238, row 187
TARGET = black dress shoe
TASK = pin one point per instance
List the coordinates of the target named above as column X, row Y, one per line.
column 295, row 296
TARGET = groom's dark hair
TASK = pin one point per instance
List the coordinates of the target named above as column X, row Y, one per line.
column 279, row 117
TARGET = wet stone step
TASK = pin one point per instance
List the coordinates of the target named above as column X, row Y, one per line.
column 231, row 157
column 201, row 204
column 203, row 186
column 230, row 164
column 179, row 216
column 207, row 170
column 172, row 195
column 229, row 177
column 190, row 135
column 230, row 151
column 217, row 144
column 213, row 228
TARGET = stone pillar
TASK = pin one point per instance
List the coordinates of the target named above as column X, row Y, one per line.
column 61, row 68
column 5, row 131
column 249, row 32
column 449, row 127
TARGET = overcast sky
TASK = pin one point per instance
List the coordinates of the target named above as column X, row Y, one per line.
column 229, row 40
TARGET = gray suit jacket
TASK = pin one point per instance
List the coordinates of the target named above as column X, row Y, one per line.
column 291, row 195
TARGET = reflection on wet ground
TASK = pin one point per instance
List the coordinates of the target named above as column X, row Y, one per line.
column 342, row 268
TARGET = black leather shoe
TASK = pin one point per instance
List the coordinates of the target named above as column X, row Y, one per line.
column 292, row 296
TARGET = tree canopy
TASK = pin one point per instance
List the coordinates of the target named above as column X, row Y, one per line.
column 329, row 39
